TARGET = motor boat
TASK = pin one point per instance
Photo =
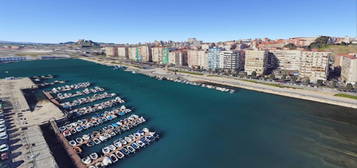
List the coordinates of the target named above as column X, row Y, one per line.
column 87, row 160
column 93, row 156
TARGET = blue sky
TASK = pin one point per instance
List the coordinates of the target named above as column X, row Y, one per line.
column 129, row 21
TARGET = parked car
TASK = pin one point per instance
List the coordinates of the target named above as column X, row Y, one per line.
column 3, row 135
column 2, row 121
column 4, row 148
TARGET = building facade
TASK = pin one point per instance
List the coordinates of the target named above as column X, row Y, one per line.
column 288, row 59
column 160, row 55
column 232, row 60
column 178, row 57
column 197, row 58
column 123, row 52
column 111, row 51
column 255, row 61
column 315, row 65
column 213, row 57
column 140, row 53
column 349, row 69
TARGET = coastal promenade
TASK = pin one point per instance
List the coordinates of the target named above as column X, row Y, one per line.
column 28, row 147
column 317, row 96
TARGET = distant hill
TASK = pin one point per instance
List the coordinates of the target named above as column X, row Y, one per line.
column 69, row 42
column 86, row 43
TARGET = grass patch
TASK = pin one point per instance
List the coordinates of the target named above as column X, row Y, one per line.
column 269, row 84
column 346, row 96
column 31, row 54
column 187, row 72
column 340, row 49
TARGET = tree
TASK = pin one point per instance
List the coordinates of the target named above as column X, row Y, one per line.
column 320, row 42
column 319, row 82
column 284, row 77
column 306, row 81
column 294, row 79
column 349, row 87
column 254, row 74
column 272, row 76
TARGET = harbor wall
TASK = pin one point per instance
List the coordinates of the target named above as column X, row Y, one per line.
column 72, row 154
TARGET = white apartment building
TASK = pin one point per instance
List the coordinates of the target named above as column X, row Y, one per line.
column 178, row 58
column 233, row 60
column 315, row 65
column 349, row 69
column 197, row 58
column 255, row 61
column 288, row 59
column 140, row 53
column 123, row 52
column 111, row 51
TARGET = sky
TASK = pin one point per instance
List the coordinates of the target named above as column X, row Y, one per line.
column 132, row 21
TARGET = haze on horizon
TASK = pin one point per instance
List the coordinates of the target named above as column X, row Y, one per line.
column 132, row 21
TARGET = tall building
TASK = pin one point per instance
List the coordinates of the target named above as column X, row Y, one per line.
column 315, row 65
column 111, row 51
column 197, row 58
column 256, row 61
column 160, row 55
column 288, row 59
column 213, row 58
column 178, row 57
column 349, row 69
column 233, row 60
column 123, row 52
column 140, row 53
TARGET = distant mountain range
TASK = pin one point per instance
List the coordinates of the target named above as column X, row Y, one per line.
column 20, row 43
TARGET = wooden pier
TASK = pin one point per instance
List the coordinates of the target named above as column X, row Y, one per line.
column 72, row 154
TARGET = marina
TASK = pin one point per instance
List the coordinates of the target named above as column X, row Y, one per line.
column 198, row 127
column 96, row 107
column 86, row 91
column 75, row 144
column 109, row 131
column 84, row 100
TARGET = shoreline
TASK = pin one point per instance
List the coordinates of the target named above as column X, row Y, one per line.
column 316, row 96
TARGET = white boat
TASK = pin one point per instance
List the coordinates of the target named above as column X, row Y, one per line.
column 93, row 156
column 112, row 147
column 106, row 150
column 113, row 158
column 86, row 160
column 119, row 154
column 79, row 140
column 85, row 137
column 106, row 161
column 72, row 143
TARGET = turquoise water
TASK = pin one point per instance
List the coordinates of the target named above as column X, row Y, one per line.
column 202, row 127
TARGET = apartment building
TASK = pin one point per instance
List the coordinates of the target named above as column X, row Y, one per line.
column 178, row 57
column 140, row 53
column 197, row 58
column 233, row 60
column 123, row 52
column 288, row 59
column 160, row 55
column 111, row 51
column 213, row 58
column 256, row 61
column 349, row 69
column 315, row 65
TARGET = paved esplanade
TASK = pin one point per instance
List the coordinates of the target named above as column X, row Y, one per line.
column 27, row 145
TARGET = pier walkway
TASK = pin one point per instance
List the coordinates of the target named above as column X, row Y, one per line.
column 28, row 147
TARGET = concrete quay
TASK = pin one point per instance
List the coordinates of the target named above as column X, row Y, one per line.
column 28, row 148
